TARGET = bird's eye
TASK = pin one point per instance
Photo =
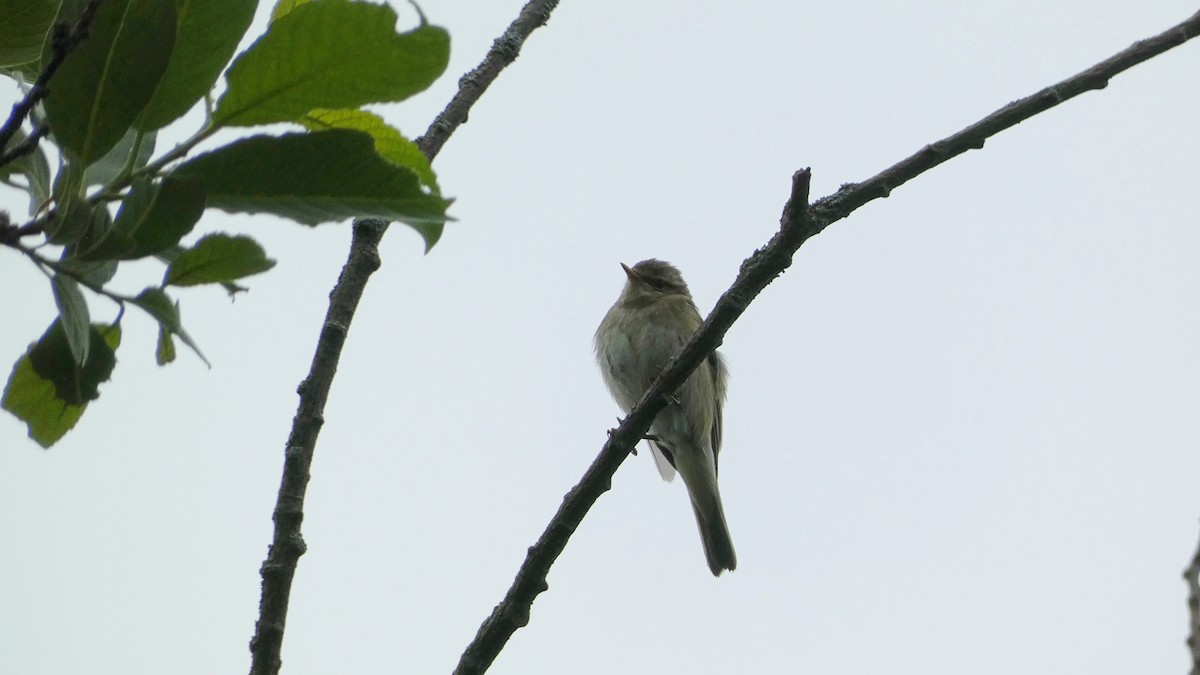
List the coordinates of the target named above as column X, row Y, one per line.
column 658, row 284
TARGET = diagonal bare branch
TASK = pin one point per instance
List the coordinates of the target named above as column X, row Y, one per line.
column 799, row 223
column 471, row 86
column 852, row 196
column 287, row 543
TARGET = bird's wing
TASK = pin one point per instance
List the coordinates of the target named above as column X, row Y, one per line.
column 662, row 460
column 720, row 374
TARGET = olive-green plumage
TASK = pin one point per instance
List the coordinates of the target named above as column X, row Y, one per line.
column 649, row 324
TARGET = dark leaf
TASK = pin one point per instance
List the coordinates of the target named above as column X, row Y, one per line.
column 314, row 178
column 74, row 384
column 35, row 400
column 73, row 315
column 157, row 304
column 95, row 273
column 36, row 170
column 153, row 217
column 389, row 142
column 208, row 33
column 23, row 27
column 105, row 82
column 218, row 258
column 77, row 223
column 108, row 167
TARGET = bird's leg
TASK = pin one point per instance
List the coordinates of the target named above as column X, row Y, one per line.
column 633, row 450
column 671, row 399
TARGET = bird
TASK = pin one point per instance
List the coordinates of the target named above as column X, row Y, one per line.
column 648, row 325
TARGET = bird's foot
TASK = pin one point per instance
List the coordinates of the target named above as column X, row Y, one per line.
column 633, row 450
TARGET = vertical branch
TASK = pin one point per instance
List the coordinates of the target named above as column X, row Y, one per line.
column 1192, row 576
column 287, row 544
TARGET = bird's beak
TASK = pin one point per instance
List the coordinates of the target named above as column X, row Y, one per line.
column 630, row 273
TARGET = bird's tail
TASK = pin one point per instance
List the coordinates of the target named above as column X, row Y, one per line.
column 714, row 533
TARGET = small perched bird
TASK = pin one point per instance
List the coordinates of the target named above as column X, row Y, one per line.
column 649, row 324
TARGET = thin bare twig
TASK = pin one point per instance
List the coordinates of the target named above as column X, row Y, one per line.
column 288, row 545
column 1192, row 576
column 798, row 225
column 62, row 42
column 471, row 86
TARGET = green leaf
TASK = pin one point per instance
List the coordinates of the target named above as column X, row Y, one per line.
column 33, row 392
column 112, row 164
column 110, row 333
column 68, row 12
column 36, row 170
column 389, row 142
column 75, row 384
column 218, row 258
column 157, row 304
column 98, row 227
column 284, row 6
column 172, row 254
column 208, row 33
column 23, row 28
column 116, row 242
column 105, row 82
column 31, row 399
column 69, row 221
column 329, row 54
column 315, row 178
column 166, row 347
column 73, row 315
column 96, row 273
column 75, row 221
column 154, row 217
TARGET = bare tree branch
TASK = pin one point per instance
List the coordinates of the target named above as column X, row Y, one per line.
column 799, row 223
column 850, row 197
column 62, row 42
column 758, row 271
column 471, row 86
column 287, row 544
column 1192, row 576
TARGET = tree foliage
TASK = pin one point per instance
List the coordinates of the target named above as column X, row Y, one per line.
column 102, row 77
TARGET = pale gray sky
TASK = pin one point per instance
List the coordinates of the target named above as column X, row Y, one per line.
column 961, row 435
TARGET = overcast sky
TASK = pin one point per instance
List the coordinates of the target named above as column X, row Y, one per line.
column 962, row 431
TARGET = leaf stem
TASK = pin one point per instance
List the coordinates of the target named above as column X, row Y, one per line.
column 43, row 263
column 178, row 152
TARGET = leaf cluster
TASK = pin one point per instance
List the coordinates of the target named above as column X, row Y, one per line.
column 103, row 77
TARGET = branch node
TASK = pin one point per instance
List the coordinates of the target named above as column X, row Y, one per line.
column 508, row 46
column 1191, row 575
column 297, row 545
